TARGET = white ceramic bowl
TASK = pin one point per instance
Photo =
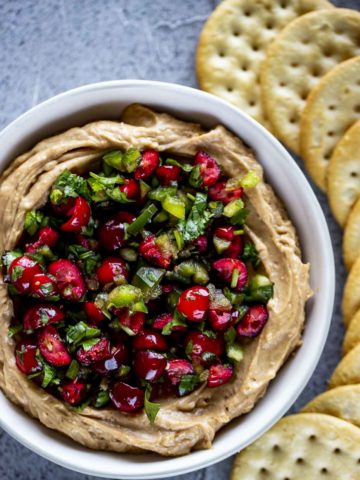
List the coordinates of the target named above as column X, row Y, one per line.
column 105, row 101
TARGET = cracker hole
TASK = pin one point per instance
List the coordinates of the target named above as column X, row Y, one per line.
column 282, row 84
column 304, row 95
column 346, row 90
column 264, row 471
column 312, row 438
column 252, row 103
column 276, row 448
column 330, row 133
column 255, row 47
column 269, row 25
column 221, row 54
column 326, row 157
column 305, row 41
column 283, row 4
column 230, row 89
column 339, row 31
column 294, row 64
column 324, row 471
column 247, row 13
column 354, row 174
column 327, row 52
column 292, row 120
column 358, row 82
column 332, row 107
column 316, row 72
column 244, row 68
column 338, row 450
column 300, row 461
column 357, row 109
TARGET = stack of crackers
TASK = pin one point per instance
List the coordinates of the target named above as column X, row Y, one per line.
column 294, row 65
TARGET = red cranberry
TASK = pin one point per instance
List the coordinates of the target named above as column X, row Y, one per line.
column 236, row 243
column 134, row 321
column 69, row 280
column 88, row 243
column 149, row 365
column 80, row 216
column 93, row 313
column 167, row 174
column 201, row 347
column 253, row 321
column 126, row 398
column 201, row 244
column 43, row 286
column 225, row 268
column 112, row 232
column 153, row 253
column 162, row 320
column 193, row 303
column 150, row 340
column 25, row 356
column 176, row 368
column 219, row 320
column 112, row 270
column 130, row 188
column 21, row 271
column 98, row 352
column 219, row 193
column 52, row 347
column 73, row 392
column 45, row 236
column 219, row 375
column 209, row 168
column 149, row 161
column 38, row 316
column 119, row 356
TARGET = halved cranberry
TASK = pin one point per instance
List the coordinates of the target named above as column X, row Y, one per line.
column 149, row 365
column 73, row 391
column 150, row 340
column 88, row 243
column 201, row 244
column 93, row 313
column 167, row 174
column 45, row 236
column 193, row 303
column 80, row 216
column 162, row 320
column 225, row 268
column 176, row 368
column 204, row 349
column 209, row 168
column 52, row 348
column 25, row 356
column 149, row 161
column 21, row 271
column 42, row 314
column 130, row 188
column 219, row 193
column 112, row 270
column 112, row 232
column 219, row 374
column 69, row 280
column 119, row 356
column 236, row 244
column 153, row 253
column 253, row 321
column 134, row 321
column 98, row 352
column 43, row 286
column 126, row 398
column 219, row 320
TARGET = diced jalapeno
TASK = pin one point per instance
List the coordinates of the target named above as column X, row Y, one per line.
column 233, row 208
column 175, row 206
column 139, row 223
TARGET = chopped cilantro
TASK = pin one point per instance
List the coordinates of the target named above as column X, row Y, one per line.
column 251, row 254
column 34, row 220
column 187, row 384
column 197, row 221
column 151, row 408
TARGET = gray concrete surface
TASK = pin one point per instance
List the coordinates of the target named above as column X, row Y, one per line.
column 49, row 46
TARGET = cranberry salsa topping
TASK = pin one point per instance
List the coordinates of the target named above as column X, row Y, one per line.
column 136, row 282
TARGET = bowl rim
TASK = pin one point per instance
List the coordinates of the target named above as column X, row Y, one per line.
column 161, row 467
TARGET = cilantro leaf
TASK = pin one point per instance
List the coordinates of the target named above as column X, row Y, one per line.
column 34, row 220
column 151, row 408
column 102, row 399
column 197, row 221
column 251, row 254
column 69, row 185
column 76, row 334
column 187, row 384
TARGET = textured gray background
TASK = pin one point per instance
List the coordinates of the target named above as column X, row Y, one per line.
column 49, row 46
